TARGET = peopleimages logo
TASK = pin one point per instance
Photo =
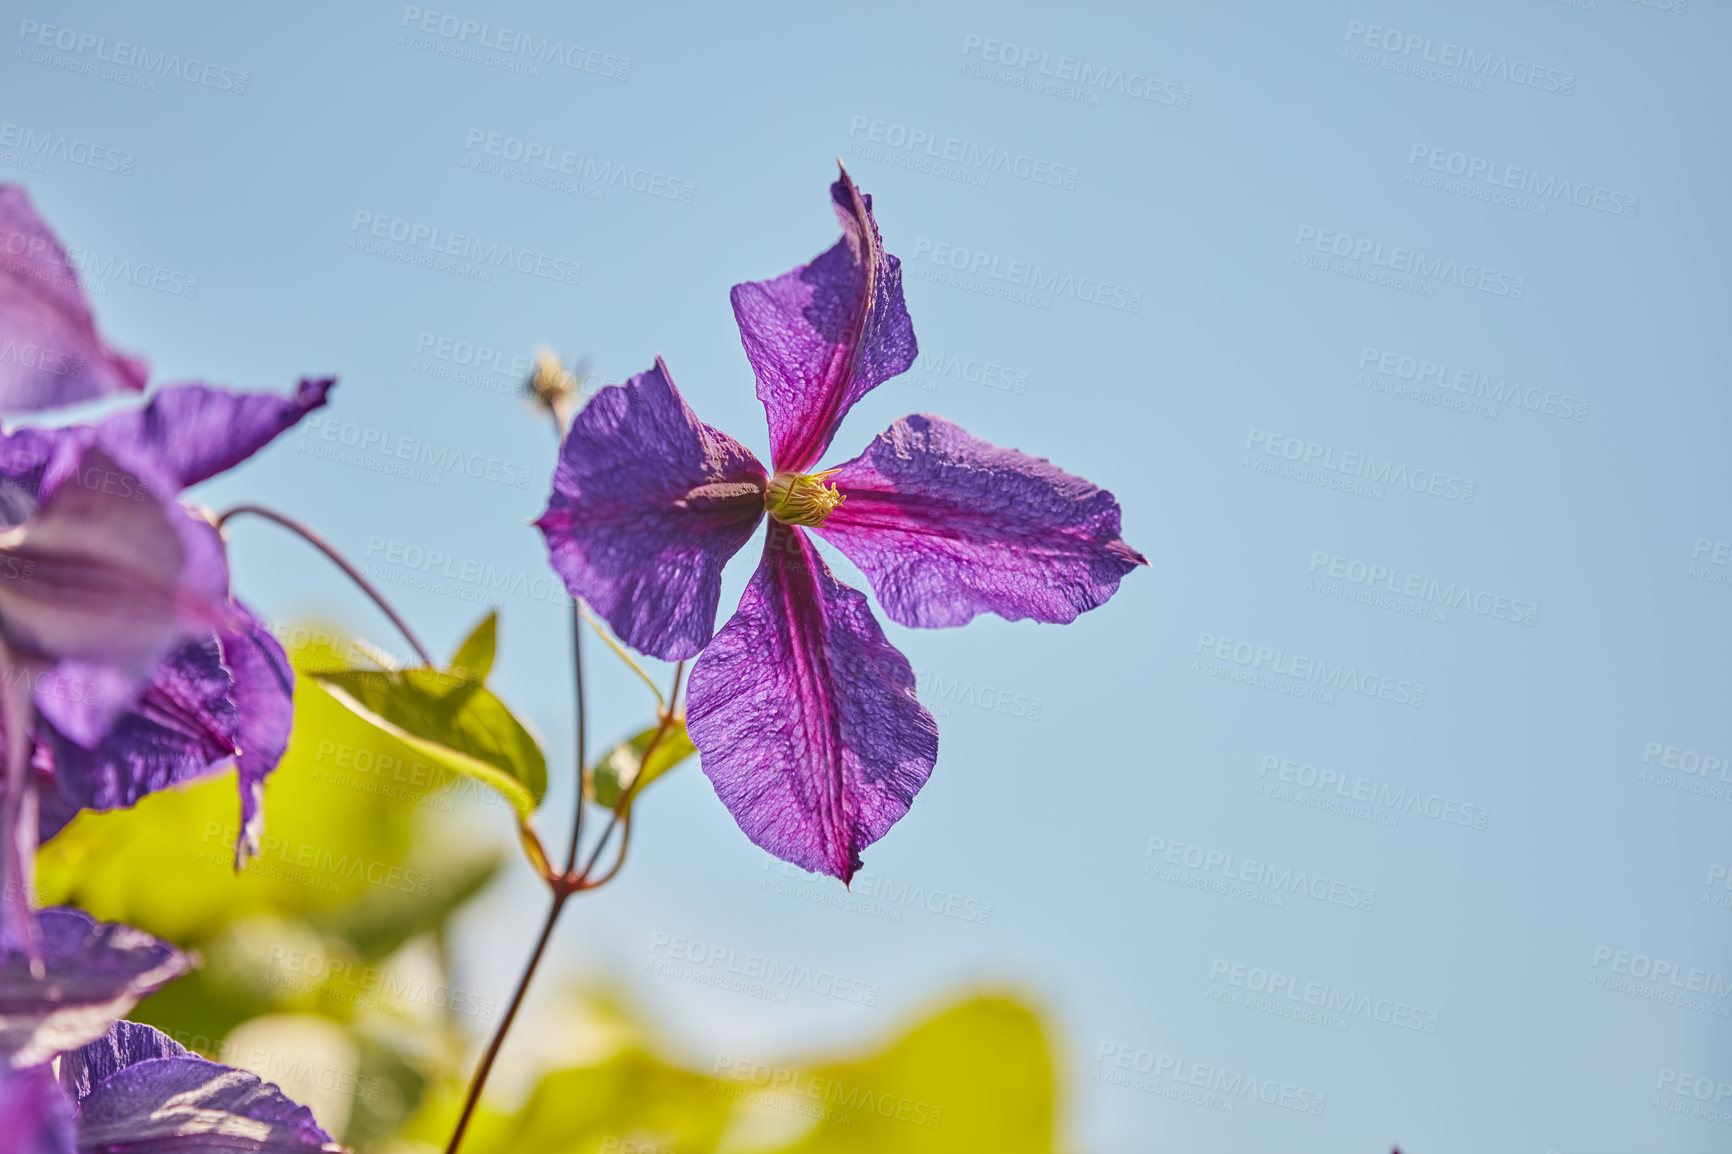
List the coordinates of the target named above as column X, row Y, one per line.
column 1356, row 467
column 1270, row 880
column 985, row 266
column 831, row 1092
column 1327, row 999
column 1412, row 50
column 980, row 158
column 461, row 33
column 1369, row 255
column 463, row 577
column 87, row 47
column 1331, row 790
column 1301, row 670
column 582, row 166
column 437, row 460
column 1711, row 561
column 59, row 146
column 1087, row 79
column 1470, row 383
column 1524, row 180
column 1374, row 578
column 424, row 243
column 1230, row 1086
column 1662, row 979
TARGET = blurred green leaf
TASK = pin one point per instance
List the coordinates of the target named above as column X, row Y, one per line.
column 474, row 658
column 358, row 875
column 339, row 814
column 391, row 1087
column 977, row 1077
column 632, row 1097
column 623, row 764
column 378, row 923
column 452, row 721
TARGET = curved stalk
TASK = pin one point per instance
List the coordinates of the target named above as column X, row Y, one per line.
column 337, row 559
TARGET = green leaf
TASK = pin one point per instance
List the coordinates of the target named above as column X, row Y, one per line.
column 474, row 658
column 452, row 721
column 974, row 1078
column 623, row 764
column 977, row 1077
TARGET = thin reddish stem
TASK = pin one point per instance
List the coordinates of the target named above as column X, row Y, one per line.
column 337, row 559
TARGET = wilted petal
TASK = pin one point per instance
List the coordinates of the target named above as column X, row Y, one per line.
column 108, row 572
column 50, row 352
column 805, row 716
column 35, row 1116
column 93, row 973
column 648, row 504
column 947, row 526
column 264, row 692
column 191, row 432
column 186, row 1105
column 125, row 1044
column 827, row 333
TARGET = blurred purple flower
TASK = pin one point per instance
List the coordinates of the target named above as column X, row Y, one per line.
column 120, row 1087
column 92, row 973
column 803, row 713
column 125, row 660
column 224, row 695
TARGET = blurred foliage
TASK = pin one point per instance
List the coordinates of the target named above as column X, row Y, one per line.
column 325, row 971
column 340, row 919
column 976, row 1077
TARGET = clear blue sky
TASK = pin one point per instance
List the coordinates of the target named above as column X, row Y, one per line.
column 1350, row 314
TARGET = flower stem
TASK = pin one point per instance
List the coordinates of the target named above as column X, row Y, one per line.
column 560, row 894
column 623, row 655
column 577, row 616
column 624, row 803
column 337, row 559
column 562, row 886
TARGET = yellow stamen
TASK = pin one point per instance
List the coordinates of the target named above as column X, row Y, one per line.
column 802, row 498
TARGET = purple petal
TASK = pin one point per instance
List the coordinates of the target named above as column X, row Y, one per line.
column 19, row 824
column 947, row 526
column 94, row 973
column 648, row 504
column 191, row 432
column 264, row 692
column 182, row 724
column 50, row 352
column 827, row 333
column 35, row 1116
column 109, row 573
column 805, row 716
column 25, row 455
column 186, row 1104
column 108, row 570
column 125, row 1044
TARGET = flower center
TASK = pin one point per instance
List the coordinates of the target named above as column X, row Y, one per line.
column 802, row 498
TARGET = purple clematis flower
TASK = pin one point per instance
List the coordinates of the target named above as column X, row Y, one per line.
column 98, row 581
column 72, row 1078
column 803, row 713
column 128, row 665
column 226, row 695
